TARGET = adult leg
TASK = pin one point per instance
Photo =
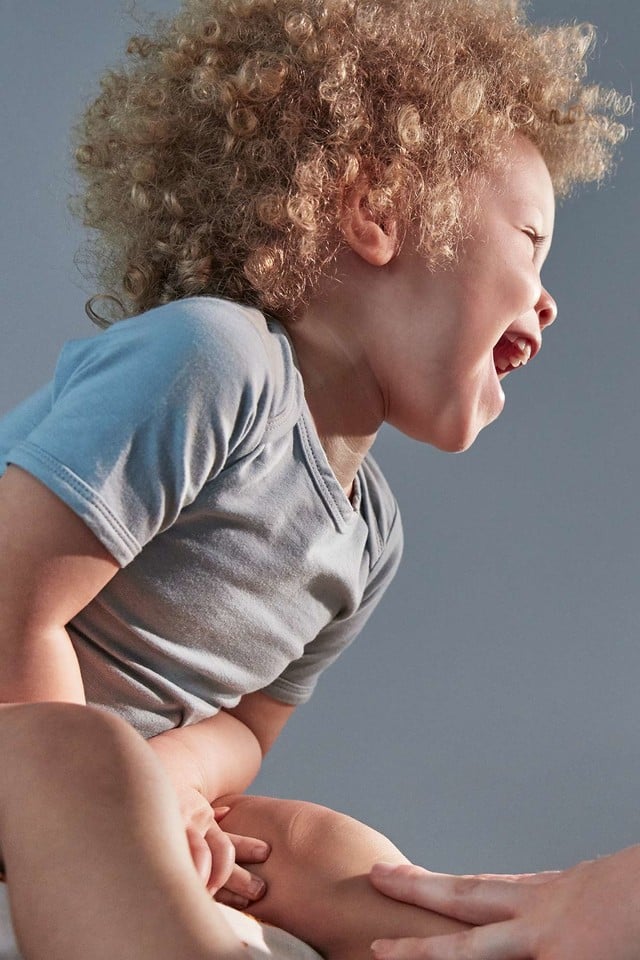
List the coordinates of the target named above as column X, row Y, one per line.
column 317, row 878
column 96, row 856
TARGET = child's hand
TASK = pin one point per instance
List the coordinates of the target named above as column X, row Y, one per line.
column 241, row 887
column 217, row 855
column 214, row 853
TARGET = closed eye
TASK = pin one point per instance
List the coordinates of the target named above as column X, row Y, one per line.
column 536, row 238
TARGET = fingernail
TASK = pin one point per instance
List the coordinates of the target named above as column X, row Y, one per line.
column 378, row 946
column 383, row 869
column 256, row 887
column 260, row 851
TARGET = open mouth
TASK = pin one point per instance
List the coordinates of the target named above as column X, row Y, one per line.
column 510, row 352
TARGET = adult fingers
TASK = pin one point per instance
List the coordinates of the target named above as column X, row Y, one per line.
column 530, row 878
column 476, row 900
column 499, row 941
column 543, row 877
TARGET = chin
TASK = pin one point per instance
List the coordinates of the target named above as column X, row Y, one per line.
column 460, row 445
column 457, row 427
column 461, row 434
column 446, row 440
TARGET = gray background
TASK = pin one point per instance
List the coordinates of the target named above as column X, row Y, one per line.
column 489, row 718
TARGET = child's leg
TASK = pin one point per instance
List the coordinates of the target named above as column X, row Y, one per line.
column 96, row 856
column 317, row 876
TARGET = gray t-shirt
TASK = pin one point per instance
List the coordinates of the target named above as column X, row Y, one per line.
column 182, row 438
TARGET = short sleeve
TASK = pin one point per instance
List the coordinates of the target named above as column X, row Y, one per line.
column 297, row 683
column 145, row 413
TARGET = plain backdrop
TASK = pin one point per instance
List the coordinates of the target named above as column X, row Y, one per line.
column 488, row 718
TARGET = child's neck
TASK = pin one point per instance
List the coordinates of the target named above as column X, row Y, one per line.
column 341, row 394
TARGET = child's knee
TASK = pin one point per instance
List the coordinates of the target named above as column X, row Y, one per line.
column 39, row 723
column 64, row 737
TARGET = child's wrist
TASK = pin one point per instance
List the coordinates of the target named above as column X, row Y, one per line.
column 179, row 761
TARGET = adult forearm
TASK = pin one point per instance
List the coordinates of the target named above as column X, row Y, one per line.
column 217, row 756
column 39, row 665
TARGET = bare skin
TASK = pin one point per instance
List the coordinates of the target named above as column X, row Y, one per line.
column 589, row 911
column 97, row 825
column 317, row 878
column 384, row 338
column 89, row 818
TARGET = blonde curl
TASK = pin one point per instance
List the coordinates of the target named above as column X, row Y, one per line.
column 216, row 159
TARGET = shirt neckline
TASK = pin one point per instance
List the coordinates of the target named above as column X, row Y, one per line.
column 342, row 509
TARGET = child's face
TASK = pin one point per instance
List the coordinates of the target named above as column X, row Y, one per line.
column 453, row 334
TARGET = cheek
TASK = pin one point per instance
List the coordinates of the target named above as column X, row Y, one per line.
column 510, row 296
column 525, row 290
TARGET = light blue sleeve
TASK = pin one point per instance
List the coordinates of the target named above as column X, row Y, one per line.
column 145, row 413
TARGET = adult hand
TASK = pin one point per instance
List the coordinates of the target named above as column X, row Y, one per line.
column 591, row 911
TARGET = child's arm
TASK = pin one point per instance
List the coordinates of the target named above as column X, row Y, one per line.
column 223, row 754
column 218, row 756
column 51, row 566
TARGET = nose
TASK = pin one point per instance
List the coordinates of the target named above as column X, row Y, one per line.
column 546, row 308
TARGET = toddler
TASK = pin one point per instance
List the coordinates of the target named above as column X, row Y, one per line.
column 316, row 218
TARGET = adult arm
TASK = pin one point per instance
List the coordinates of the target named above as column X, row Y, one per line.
column 589, row 911
column 51, row 566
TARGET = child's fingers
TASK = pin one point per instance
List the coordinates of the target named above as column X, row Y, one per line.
column 249, row 849
column 200, row 854
column 231, row 899
column 223, row 857
column 241, row 885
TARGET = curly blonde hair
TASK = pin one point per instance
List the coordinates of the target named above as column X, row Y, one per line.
column 216, row 160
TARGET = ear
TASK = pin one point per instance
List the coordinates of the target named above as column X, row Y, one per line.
column 376, row 243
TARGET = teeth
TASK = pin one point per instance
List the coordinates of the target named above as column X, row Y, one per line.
column 523, row 346
column 520, row 355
